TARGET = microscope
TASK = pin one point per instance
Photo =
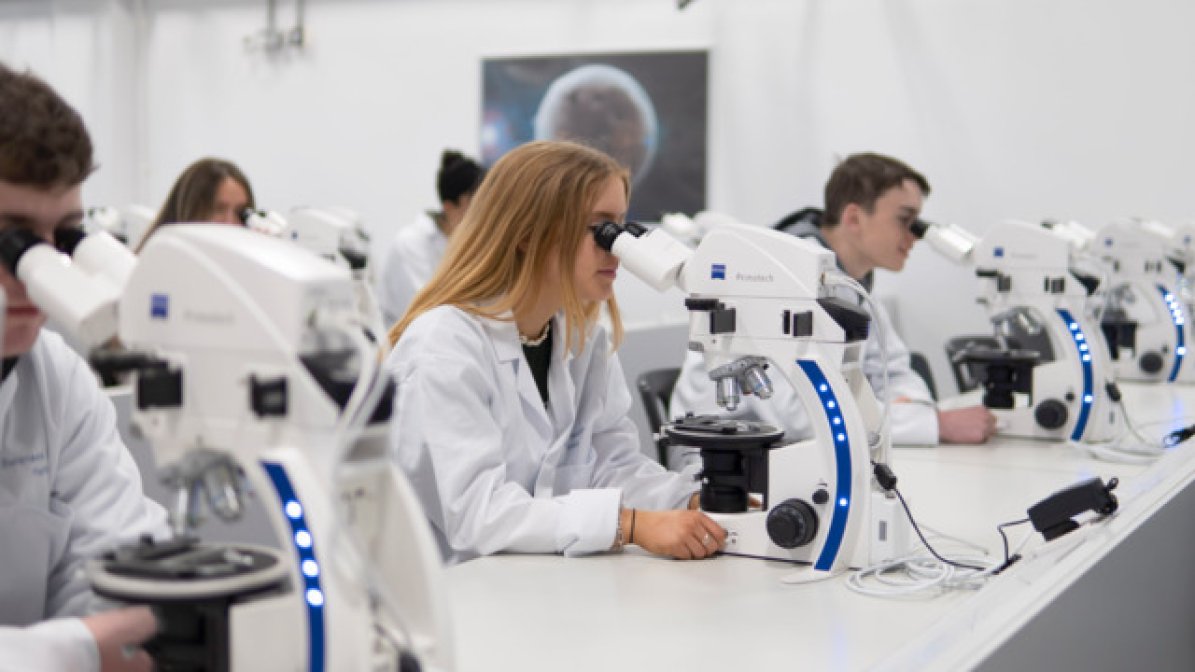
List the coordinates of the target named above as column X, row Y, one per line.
column 1049, row 375
column 338, row 235
column 760, row 299
column 126, row 224
column 1179, row 242
column 334, row 233
column 252, row 373
column 1145, row 322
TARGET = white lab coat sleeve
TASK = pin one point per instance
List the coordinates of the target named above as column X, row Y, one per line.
column 620, row 462
column 396, row 286
column 915, row 420
column 447, row 439
column 49, row 646
column 694, row 391
column 97, row 487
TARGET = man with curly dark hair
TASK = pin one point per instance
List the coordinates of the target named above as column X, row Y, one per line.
column 68, row 486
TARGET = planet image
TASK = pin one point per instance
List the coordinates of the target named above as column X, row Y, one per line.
column 605, row 108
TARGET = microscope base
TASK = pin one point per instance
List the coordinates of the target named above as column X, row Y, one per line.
column 888, row 535
column 1104, row 424
column 196, row 591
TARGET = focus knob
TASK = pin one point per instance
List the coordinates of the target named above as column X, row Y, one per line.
column 1050, row 414
column 792, row 523
column 1150, row 362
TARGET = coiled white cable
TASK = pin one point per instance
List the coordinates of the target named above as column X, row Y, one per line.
column 1116, row 451
column 914, row 574
column 917, row 574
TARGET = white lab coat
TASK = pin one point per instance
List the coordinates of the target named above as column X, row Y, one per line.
column 497, row 471
column 408, row 264
column 913, row 422
column 68, row 490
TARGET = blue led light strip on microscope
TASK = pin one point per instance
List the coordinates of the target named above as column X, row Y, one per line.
column 304, row 545
column 1088, row 398
column 1179, row 318
column 842, row 462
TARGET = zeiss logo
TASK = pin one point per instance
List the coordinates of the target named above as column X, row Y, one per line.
column 999, row 252
column 159, row 306
column 718, row 272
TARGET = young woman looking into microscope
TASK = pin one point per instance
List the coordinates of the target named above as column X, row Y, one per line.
column 511, row 411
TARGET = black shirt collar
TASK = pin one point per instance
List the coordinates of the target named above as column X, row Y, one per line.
column 6, row 367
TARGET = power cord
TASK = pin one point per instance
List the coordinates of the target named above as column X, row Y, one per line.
column 1009, row 559
column 1178, row 436
column 916, row 573
column 917, row 529
column 1052, row 517
column 932, row 533
column 910, row 576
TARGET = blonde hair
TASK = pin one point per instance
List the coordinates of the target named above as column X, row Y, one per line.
column 534, row 203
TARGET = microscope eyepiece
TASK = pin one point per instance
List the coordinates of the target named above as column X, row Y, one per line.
column 919, row 227
column 66, row 239
column 635, row 228
column 14, row 242
column 606, row 233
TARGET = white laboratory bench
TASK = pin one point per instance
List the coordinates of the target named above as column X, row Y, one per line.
column 1117, row 594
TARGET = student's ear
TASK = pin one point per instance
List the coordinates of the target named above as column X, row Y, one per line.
column 850, row 218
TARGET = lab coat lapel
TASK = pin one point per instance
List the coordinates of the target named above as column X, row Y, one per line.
column 8, row 391
column 562, row 389
column 510, row 352
column 562, row 408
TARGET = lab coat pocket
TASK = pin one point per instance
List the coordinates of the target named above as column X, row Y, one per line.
column 33, row 543
column 576, row 475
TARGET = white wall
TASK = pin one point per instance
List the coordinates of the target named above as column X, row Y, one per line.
column 1076, row 108
column 86, row 49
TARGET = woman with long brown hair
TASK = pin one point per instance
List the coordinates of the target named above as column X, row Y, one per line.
column 511, row 412
column 209, row 190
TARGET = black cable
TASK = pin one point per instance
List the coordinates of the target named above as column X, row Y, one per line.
column 736, row 554
column 1178, row 436
column 917, row 529
column 1004, row 537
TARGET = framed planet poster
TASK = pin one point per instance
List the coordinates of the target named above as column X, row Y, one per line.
column 647, row 110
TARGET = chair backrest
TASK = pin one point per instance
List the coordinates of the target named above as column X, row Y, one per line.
column 921, row 365
column 966, row 378
column 655, row 389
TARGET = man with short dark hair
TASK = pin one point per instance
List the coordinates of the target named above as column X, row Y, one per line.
column 871, row 202
column 68, row 487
